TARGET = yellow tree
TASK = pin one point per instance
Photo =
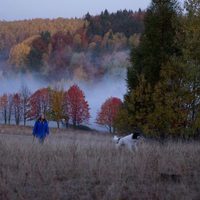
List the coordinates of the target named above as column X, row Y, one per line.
column 18, row 55
column 57, row 104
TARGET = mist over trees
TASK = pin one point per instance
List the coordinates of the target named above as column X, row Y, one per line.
column 82, row 49
column 159, row 47
column 163, row 97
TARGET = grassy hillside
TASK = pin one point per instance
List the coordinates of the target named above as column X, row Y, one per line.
column 79, row 165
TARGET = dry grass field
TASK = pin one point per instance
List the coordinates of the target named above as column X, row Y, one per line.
column 74, row 165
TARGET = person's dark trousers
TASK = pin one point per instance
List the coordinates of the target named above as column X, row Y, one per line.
column 41, row 140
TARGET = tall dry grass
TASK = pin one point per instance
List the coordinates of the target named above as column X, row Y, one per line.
column 73, row 166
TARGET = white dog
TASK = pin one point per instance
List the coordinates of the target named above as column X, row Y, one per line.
column 129, row 141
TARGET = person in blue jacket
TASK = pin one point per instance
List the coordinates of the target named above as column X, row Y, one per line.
column 41, row 128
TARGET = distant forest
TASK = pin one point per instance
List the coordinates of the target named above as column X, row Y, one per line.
column 77, row 48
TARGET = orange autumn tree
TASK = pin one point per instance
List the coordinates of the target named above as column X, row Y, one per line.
column 108, row 113
column 77, row 107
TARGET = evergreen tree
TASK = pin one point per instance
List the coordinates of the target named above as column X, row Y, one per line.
column 170, row 97
column 158, row 42
column 192, row 60
column 45, row 36
column 88, row 17
column 35, row 59
column 137, row 106
column 39, row 47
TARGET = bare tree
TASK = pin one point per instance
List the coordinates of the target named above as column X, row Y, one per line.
column 4, row 107
column 17, row 108
column 10, row 108
column 25, row 94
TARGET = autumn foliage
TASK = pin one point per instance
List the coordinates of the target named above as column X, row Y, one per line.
column 83, row 49
column 108, row 113
column 56, row 104
column 77, row 106
column 39, row 103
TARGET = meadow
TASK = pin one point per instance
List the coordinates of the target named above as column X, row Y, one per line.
column 75, row 164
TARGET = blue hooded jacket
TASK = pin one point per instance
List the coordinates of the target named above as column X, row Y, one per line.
column 41, row 129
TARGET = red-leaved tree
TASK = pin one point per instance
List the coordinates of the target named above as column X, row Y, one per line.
column 108, row 112
column 77, row 106
column 39, row 102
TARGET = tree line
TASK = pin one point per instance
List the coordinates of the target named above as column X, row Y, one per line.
column 80, row 48
column 123, row 21
column 69, row 55
column 68, row 107
column 163, row 97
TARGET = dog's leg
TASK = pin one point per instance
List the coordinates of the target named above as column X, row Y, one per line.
column 130, row 147
column 136, row 147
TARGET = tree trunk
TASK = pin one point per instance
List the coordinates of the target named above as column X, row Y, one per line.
column 67, row 123
column 114, row 129
column 58, row 124
column 9, row 120
column 24, row 116
column 5, row 117
column 110, row 129
column 74, row 123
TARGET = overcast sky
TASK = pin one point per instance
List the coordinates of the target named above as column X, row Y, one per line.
column 27, row 9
